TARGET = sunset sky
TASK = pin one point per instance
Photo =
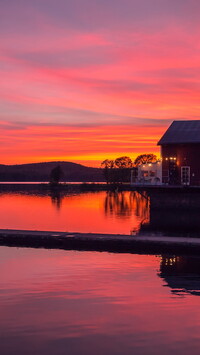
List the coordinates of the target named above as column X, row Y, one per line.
column 86, row 80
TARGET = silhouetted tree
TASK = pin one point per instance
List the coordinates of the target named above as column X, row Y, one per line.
column 107, row 165
column 123, row 167
column 55, row 175
column 117, row 170
column 145, row 158
column 123, row 163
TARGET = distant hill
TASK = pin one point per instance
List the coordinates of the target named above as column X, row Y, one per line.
column 41, row 172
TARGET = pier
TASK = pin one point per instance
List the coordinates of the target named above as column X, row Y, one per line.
column 100, row 242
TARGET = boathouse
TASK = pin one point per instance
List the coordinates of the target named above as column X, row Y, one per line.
column 180, row 152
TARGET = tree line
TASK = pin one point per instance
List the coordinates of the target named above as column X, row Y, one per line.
column 115, row 171
column 119, row 170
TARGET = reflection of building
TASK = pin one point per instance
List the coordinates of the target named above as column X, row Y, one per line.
column 175, row 213
column 150, row 173
column 182, row 274
column 180, row 150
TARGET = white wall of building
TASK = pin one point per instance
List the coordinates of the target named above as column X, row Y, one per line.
column 150, row 173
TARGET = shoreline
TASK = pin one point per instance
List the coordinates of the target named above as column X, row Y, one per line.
column 115, row 243
column 93, row 186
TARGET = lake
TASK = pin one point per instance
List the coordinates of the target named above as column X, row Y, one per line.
column 125, row 212
column 99, row 212
column 57, row 302
column 60, row 302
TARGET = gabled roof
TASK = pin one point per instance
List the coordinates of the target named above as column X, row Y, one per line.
column 182, row 132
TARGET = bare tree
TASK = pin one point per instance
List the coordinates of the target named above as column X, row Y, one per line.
column 123, row 162
column 117, row 170
column 107, row 165
column 145, row 158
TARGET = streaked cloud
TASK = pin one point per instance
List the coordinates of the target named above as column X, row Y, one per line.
column 90, row 144
column 123, row 66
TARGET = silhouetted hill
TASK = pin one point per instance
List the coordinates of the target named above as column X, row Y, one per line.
column 41, row 172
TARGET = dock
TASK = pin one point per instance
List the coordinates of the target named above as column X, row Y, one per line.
column 100, row 242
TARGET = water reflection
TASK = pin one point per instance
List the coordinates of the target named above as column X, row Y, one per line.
column 93, row 303
column 95, row 212
column 56, row 198
column 124, row 204
column 173, row 215
column 181, row 274
column 125, row 212
column 173, row 222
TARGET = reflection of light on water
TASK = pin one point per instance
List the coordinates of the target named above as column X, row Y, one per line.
column 170, row 261
column 181, row 274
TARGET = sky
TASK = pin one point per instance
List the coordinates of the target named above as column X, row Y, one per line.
column 88, row 80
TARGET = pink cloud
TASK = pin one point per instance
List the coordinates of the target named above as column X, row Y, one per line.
column 139, row 66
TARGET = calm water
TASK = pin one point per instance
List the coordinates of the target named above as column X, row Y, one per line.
column 56, row 302
column 127, row 212
column 88, row 212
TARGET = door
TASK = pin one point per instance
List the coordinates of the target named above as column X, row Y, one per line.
column 173, row 173
column 185, row 175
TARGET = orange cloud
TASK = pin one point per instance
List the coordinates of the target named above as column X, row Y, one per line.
column 89, row 145
column 124, row 80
